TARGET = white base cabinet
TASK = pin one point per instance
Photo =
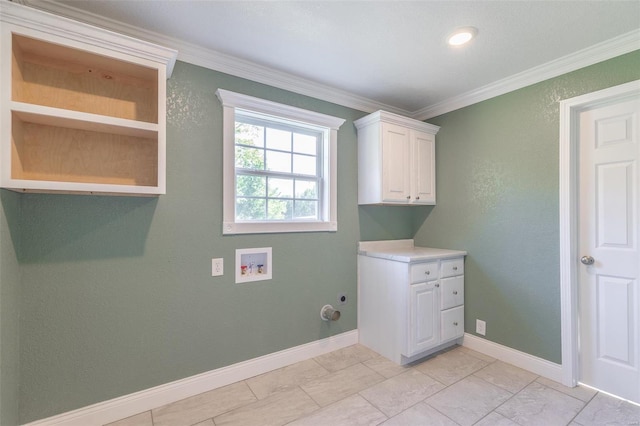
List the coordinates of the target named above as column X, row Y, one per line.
column 410, row 308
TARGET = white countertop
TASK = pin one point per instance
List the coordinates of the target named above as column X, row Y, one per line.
column 404, row 251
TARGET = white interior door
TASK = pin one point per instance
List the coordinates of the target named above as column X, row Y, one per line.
column 608, row 292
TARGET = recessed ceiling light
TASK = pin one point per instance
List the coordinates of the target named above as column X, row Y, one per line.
column 462, row 36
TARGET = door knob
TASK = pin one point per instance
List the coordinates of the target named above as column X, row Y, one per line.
column 587, row 260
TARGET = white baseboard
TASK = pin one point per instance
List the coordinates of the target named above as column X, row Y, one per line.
column 536, row 365
column 129, row 405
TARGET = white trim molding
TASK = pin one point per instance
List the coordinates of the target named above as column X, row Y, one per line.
column 568, row 164
column 328, row 220
column 617, row 46
column 129, row 405
column 218, row 61
column 536, row 365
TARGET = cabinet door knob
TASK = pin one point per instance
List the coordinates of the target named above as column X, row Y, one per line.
column 455, row 268
column 455, row 292
column 455, row 323
column 427, row 272
column 417, row 198
column 437, row 285
column 408, row 197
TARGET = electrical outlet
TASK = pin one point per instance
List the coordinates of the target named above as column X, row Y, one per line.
column 342, row 298
column 217, row 267
column 481, row 327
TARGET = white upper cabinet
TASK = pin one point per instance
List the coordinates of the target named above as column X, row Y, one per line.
column 396, row 160
column 82, row 109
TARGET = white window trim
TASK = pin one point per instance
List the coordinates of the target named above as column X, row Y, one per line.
column 230, row 101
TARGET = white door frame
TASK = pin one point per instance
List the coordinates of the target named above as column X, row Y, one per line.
column 569, row 111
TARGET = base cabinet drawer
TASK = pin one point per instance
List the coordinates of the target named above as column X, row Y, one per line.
column 451, row 292
column 452, row 267
column 452, row 323
column 424, row 272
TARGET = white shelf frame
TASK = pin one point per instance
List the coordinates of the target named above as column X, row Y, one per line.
column 32, row 23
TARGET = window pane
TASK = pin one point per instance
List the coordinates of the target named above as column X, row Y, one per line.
column 278, row 139
column 306, row 210
column 250, row 208
column 278, row 161
column 251, row 186
column 249, row 158
column 306, row 189
column 279, row 170
column 249, row 134
column 280, row 209
column 304, row 165
column 282, row 188
column 305, row 144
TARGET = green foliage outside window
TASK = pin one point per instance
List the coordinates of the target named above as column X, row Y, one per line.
column 258, row 197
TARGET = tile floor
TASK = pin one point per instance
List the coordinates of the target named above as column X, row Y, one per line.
column 355, row 386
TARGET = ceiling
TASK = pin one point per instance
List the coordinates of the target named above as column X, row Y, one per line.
column 388, row 54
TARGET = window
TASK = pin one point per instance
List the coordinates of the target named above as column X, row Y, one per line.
column 279, row 167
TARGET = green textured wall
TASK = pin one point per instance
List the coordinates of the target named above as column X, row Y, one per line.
column 9, row 309
column 116, row 296
column 497, row 177
column 117, row 293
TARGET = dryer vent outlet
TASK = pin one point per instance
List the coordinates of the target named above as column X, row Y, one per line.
column 327, row 313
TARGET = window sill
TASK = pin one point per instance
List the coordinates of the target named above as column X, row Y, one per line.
column 231, row 228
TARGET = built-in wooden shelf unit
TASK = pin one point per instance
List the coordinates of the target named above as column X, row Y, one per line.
column 79, row 116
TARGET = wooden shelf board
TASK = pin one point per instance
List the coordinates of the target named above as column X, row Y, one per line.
column 56, row 187
column 49, row 116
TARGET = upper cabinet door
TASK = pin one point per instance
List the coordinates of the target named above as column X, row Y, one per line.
column 395, row 158
column 424, row 171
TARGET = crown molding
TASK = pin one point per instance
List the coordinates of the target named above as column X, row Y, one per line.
column 211, row 59
column 259, row 73
column 228, row 64
column 617, row 46
column 400, row 120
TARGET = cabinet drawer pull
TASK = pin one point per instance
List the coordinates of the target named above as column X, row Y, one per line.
column 437, row 285
column 427, row 272
column 417, row 198
column 455, row 268
column 408, row 197
column 455, row 323
column 455, row 292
